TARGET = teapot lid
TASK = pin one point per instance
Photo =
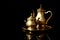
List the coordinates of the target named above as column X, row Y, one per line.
column 31, row 16
column 40, row 9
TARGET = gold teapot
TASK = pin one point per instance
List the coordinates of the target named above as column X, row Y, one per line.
column 31, row 23
column 40, row 15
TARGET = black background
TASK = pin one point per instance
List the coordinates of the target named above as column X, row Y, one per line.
column 19, row 10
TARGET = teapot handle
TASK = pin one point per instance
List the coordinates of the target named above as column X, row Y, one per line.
column 49, row 17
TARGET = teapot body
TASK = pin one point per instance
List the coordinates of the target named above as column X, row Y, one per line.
column 41, row 17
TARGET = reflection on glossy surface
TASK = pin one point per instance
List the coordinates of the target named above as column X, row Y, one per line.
column 37, row 37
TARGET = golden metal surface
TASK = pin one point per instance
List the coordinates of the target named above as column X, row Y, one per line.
column 30, row 21
column 39, row 22
column 40, row 15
